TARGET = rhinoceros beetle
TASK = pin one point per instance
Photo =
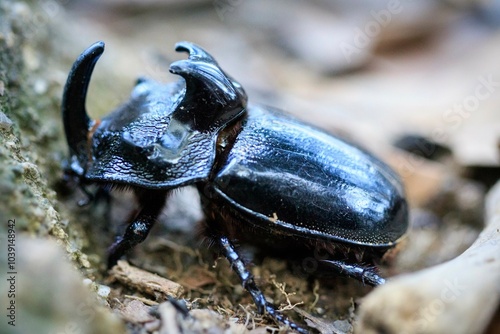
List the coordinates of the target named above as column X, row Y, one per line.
column 264, row 178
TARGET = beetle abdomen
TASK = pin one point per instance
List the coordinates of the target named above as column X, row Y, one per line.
column 307, row 182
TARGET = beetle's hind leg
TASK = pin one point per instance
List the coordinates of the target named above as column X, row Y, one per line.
column 151, row 205
column 365, row 274
column 248, row 283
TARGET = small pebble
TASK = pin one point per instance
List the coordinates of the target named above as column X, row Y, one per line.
column 5, row 122
column 103, row 291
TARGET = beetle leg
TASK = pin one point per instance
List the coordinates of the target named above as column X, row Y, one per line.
column 138, row 230
column 365, row 274
column 248, row 283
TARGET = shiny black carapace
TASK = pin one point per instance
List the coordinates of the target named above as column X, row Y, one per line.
column 264, row 177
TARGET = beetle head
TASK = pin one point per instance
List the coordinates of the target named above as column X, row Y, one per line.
column 164, row 136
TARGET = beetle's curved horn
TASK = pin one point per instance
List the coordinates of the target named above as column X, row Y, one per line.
column 195, row 52
column 212, row 98
column 75, row 118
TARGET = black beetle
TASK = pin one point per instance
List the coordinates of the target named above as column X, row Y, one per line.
column 264, row 178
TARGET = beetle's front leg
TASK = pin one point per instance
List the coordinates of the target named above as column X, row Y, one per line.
column 248, row 283
column 151, row 204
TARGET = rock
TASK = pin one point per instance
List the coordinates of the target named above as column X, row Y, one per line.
column 48, row 294
column 434, row 300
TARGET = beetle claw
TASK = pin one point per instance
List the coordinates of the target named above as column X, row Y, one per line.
column 248, row 283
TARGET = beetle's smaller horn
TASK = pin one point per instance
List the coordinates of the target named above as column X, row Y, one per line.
column 75, row 118
column 195, row 52
column 212, row 98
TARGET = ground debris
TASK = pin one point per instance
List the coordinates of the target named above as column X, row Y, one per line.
column 176, row 321
column 145, row 281
column 136, row 312
column 324, row 326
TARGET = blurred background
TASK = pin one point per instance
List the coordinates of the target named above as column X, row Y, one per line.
column 415, row 82
column 421, row 76
column 375, row 69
